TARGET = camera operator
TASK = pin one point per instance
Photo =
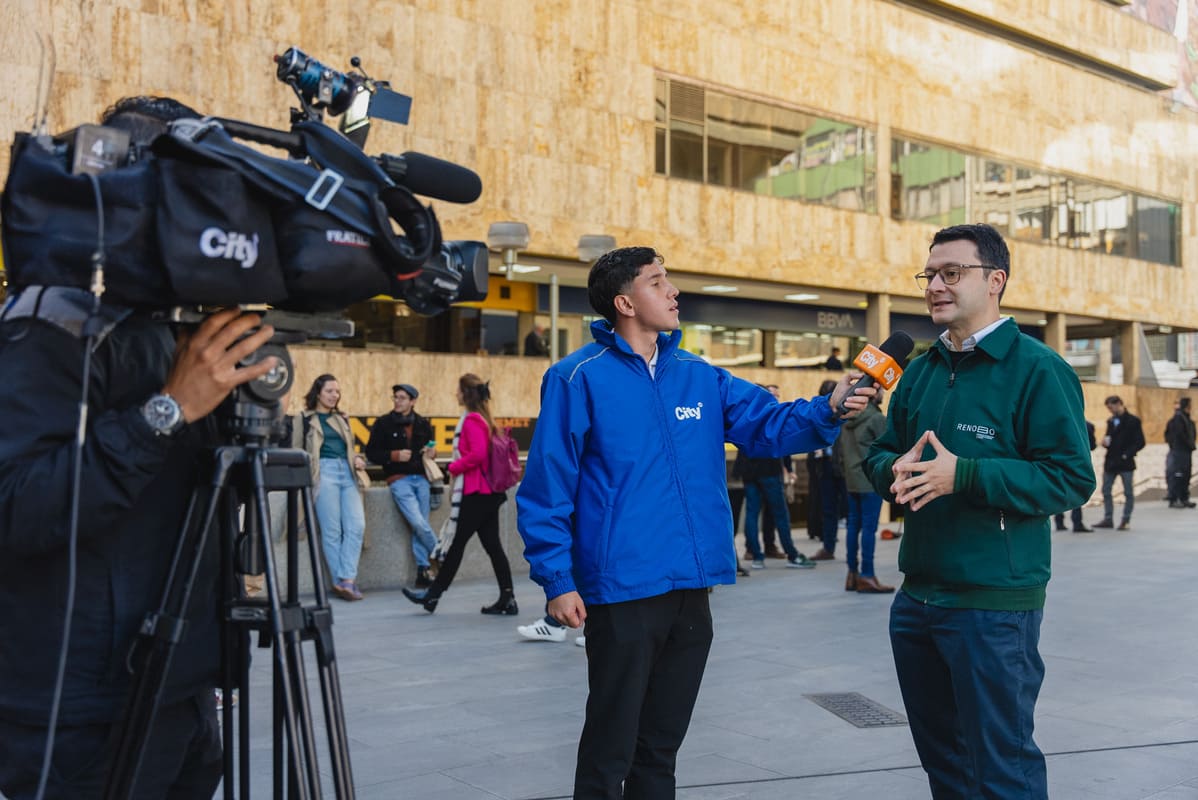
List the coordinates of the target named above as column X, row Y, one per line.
column 149, row 394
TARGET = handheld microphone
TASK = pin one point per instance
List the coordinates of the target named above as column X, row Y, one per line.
column 433, row 177
column 881, row 365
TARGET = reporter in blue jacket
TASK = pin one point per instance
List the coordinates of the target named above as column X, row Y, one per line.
column 625, row 517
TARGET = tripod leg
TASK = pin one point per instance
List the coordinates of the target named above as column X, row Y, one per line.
column 160, row 633
column 330, row 681
column 296, row 719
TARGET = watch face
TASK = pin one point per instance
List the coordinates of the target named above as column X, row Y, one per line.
column 163, row 414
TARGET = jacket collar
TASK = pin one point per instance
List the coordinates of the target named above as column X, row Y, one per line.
column 605, row 335
column 995, row 344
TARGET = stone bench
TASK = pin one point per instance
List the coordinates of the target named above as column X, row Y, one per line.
column 387, row 561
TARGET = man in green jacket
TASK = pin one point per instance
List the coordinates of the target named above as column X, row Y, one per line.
column 986, row 439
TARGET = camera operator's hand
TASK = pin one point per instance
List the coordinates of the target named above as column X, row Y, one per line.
column 206, row 359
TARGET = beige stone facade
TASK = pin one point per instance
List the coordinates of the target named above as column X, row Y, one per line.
column 552, row 103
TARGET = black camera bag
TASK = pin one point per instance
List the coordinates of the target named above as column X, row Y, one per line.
column 51, row 227
column 207, row 220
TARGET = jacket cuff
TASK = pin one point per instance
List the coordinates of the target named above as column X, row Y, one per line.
column 561, row 584
column 966, row 475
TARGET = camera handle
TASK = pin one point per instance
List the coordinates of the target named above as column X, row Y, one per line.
column 246, row 474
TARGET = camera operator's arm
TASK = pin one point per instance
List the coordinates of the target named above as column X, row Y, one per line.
column 41, row 368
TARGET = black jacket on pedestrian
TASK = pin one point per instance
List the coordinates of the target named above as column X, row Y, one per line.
column 133, row 495
column 1179, row 433
column 392, row 433
column 1127, row 439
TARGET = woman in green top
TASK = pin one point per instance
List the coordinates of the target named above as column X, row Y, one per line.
column 330, row 445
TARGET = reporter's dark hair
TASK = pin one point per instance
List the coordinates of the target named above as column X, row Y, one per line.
column 827, row 387
column 314, row 393
column 611, row 275
column 992, row 248
column 145, row 117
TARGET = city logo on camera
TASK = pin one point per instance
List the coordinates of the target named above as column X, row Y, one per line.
column 234, row 245
column 684, row 412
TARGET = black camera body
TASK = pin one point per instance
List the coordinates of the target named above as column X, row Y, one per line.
column 201, row 219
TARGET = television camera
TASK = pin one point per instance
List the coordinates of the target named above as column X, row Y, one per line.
column 197, row 218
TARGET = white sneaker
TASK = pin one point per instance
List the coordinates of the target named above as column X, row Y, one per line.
column 581, row 641
column 542, row 631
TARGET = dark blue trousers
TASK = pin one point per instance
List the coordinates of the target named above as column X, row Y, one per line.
column 969, row 680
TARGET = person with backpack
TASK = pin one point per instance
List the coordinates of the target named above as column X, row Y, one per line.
column 479, row 489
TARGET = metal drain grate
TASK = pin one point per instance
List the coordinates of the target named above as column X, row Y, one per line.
column 857, row 709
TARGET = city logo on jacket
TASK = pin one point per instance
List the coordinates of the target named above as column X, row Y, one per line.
column 981, row 431
column 685, row 412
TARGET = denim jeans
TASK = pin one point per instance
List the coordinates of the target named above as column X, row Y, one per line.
column 970, row 679
column 1129, row 497
column 864, row 509
column 770, row 490
column 341, row 517
column 410, row 494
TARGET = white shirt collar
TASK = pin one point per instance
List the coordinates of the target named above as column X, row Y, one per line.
column 972, row 341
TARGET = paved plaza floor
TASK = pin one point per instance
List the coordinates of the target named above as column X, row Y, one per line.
column 455, row 706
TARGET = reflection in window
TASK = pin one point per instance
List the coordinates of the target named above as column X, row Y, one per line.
column 763, row 148
column 723, row 346
column 929, row 184
column 811, row 349
column 1157, row 231
column 1031, row 218
column 992, row 193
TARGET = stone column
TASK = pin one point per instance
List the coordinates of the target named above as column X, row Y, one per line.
column 1054, row 332
column 1129, row 346
column 877, row 319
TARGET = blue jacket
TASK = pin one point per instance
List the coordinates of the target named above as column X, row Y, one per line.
column 624, row 494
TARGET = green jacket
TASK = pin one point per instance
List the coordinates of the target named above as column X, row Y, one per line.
column 1012, row 413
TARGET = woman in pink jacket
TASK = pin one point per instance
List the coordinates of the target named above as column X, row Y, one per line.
column 475, row 505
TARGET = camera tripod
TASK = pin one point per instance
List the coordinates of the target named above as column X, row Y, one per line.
column 244, row 474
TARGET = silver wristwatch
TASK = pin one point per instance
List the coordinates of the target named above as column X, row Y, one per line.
column 162, row 413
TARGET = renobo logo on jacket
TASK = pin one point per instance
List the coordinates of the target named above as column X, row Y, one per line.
column 981, row 431
column 234, row 245
column 686, row 412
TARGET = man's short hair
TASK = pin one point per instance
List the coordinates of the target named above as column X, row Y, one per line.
column 613, row 273
column 1112, row 400
column 145, row 117
column 992, row 248
column 1184, row 402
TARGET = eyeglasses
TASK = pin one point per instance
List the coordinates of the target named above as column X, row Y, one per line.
column 949, row 273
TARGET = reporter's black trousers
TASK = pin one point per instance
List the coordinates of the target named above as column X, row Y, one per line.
column 645, row 661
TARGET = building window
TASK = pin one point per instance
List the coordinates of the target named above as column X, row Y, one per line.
column 942, row 186
column 726, row 140
column 928, row 183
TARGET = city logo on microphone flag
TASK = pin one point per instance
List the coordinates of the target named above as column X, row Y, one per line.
column 878, row 365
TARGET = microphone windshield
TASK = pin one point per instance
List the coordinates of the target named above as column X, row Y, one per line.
column 898, row 347
column 444, row 180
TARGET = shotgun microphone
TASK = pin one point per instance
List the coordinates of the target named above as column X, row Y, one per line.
column 881, row 365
